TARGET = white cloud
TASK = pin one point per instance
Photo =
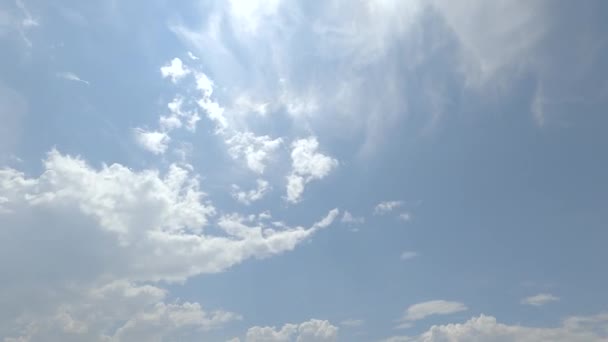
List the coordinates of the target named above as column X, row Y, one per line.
column 256, row 150
column 246, row 197
column 386, row 207
column 487, row 329
column 192, row 56
column 307, row 164
column 313, row 330
column 348, row 218
column 174, row 70
column 242, row 144
column 539, row 299
column 153, row 141
column 70, row 76
column 434, row 307
column 177, row 115
column 120, row 311
column 407, row 255
column 278, row 73
column 118, row 225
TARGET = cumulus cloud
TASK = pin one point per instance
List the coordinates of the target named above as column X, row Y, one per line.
column 246, row 197
column 307, row 164
column 119, row 311
column 386, row 207
column 87, row 228
column 425, row 309
column 153, row 141
column 255, row 150
column 539, row 299
column 175, row 70
column 313, row 330
column 70, row 76
column 487, row 329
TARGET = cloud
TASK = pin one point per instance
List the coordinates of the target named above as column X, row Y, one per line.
column 386, row 207
column 70, row 76
column 246, row 197
column 407, row 255
column 87, row 228
column 255, row 150
column 192, row 56
column 406, row 217
column 422, row 310
column 174, row 70
column 486, row 329
column 540, row 299
column 277, row 74
column 28, row 21
column 121, row 311
column 153, row 141
column 306, row 165
column 178, row 115
column 313, row 330
column 348, row 218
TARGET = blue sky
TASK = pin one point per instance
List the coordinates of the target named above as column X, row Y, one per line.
column 372, row 170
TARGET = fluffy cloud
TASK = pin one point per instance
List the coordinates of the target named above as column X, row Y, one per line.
column 311, row 331
column 246, row 197
column 487, row 329
column 386, row 207
column 119, row 311
column 540, row 299
column 175, row 70
column 153, row 141
column 178, row 116
column 256, row 150
column 434, row 307
column 81, row 228
column 307, row 164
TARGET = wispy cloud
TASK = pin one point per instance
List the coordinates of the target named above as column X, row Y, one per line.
column 407, row 255
column 539, row 299
column 422, row 310
column 349, row 218
column 70, row 76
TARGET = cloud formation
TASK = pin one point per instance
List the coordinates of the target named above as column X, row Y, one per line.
column 313, row 330
column 486, row 329
column 539, row 299
column 386, row 207
column 247, row 197
column 422, row 310
column 97, row 227
column 307, row 164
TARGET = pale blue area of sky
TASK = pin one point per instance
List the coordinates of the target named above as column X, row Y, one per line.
column 501, row 207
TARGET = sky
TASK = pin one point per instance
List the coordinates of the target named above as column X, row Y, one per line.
column 370, row 170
